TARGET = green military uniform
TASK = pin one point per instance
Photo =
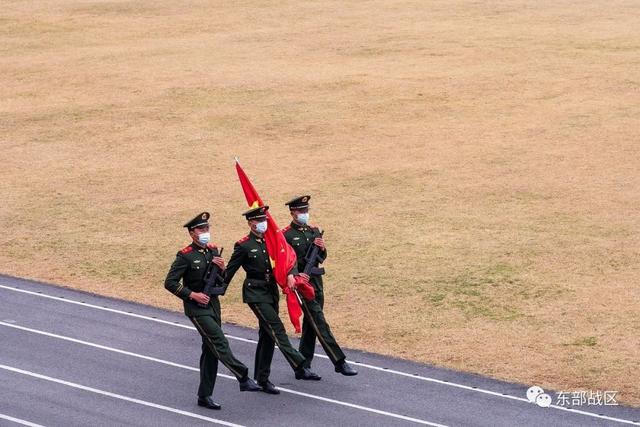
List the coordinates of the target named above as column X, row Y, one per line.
column 301, row 238
column 260, row 292
column 190, row 266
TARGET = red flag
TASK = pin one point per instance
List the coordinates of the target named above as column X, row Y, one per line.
column 282, row 255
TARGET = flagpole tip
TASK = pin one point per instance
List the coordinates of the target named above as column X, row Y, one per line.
column 236, row 159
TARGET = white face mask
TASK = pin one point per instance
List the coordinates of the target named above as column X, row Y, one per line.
column 204, row 238
column 303, row 218
column 261, row 227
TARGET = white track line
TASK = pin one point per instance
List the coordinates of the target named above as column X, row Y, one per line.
column 364, row 365
column 19, row 421
column 177, row 365
column 104, row 347
column 118, row 396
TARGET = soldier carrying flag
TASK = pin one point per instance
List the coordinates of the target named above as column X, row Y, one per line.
column 268, row 262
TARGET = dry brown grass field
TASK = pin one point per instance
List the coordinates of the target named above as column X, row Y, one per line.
column 475, row 164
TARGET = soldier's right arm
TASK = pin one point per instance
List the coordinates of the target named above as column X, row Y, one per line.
column 176, row 272
column 236, row 261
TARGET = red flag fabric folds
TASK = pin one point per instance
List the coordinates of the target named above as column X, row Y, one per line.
column 305, row 288
column 282, row 255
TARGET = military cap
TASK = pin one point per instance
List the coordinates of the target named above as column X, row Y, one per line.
column 200, row 220
column 299, row 202
column 256, row 213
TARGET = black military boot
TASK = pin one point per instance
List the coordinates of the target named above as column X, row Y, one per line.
column 247, row 384
column 269, row 388
column 306, row 374
column 345, row 369
column 207, row 402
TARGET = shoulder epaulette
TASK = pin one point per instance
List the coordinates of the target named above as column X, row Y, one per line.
column 186, row 250
column 315, row 227
column 244, row 239
column 212, row 246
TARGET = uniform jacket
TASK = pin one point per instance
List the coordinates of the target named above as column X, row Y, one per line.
column 259, row 286
column 189, row 267
column 301, row 237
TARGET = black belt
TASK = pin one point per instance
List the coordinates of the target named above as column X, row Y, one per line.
column 267, row 277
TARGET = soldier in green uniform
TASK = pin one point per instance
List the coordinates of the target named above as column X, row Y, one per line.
column 260, row 292
column 300, row 235
column 189, row 266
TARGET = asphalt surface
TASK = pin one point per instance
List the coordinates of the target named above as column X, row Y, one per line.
column 69, row 358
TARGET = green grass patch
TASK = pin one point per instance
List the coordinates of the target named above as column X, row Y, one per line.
column 491, row 292
column 584, row 342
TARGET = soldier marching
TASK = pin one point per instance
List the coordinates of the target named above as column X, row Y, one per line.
column 302, row 236
column 185, row 280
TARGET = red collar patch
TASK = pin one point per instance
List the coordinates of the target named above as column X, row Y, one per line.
column 244, row 239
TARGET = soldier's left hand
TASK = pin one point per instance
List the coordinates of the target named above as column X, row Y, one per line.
column 319, row 242
column 291, row 281
column 219, row 262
